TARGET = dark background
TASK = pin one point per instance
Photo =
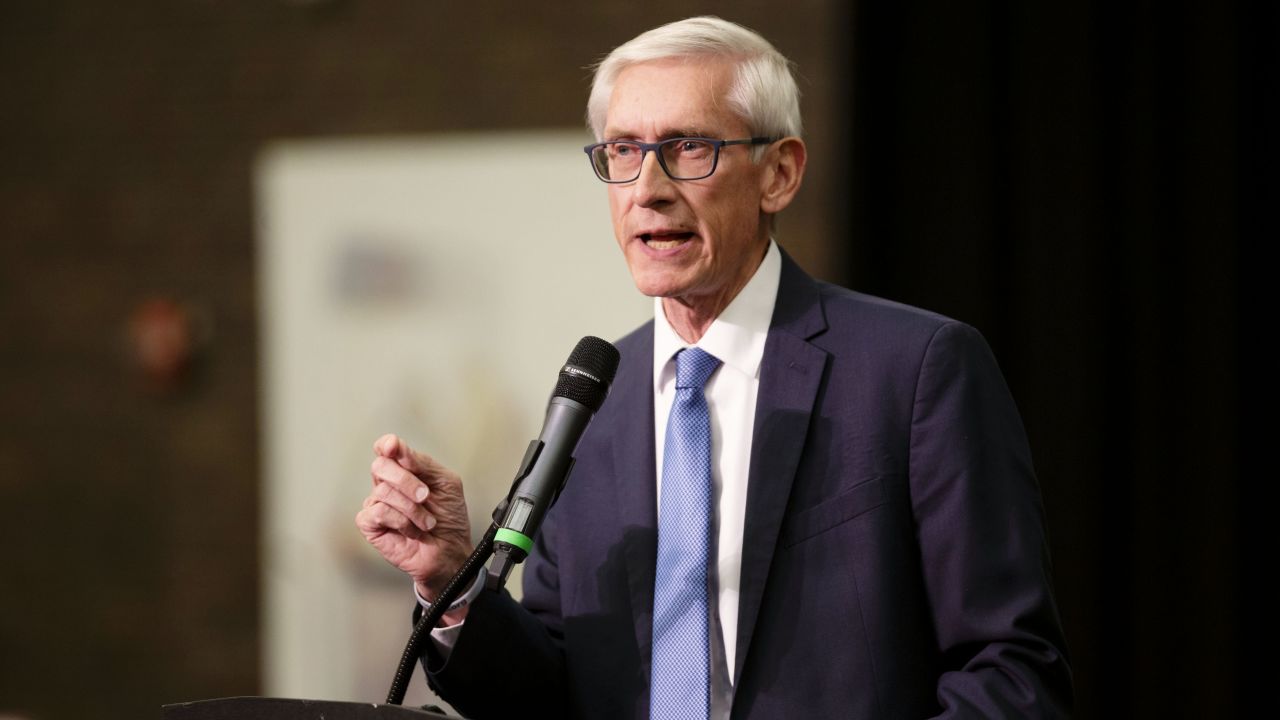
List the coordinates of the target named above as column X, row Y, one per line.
column 1082, row 181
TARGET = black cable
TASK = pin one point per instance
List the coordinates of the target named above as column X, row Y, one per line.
column 460, row 580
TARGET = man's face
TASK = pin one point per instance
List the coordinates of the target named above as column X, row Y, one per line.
column 696, row 240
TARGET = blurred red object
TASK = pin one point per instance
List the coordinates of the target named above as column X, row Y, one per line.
column 162, row 342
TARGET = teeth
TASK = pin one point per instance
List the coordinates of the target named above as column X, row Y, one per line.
column 664, row 244
column 665, row 241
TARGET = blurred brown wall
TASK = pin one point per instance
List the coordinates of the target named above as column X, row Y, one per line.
column 128, row 548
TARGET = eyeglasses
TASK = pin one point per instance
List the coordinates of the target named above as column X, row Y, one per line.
column 681, row 158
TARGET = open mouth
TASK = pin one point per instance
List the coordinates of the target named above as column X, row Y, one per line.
column 665, row 240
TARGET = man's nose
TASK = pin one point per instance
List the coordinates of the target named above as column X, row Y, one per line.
column 653, row 185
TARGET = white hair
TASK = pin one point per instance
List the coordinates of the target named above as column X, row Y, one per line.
column 764, row 92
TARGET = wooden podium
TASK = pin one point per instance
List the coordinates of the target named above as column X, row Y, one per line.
column 258, row 708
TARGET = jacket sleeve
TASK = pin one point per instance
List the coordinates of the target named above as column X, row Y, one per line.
column 982, row 539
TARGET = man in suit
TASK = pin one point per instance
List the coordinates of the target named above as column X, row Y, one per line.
column 873, row 544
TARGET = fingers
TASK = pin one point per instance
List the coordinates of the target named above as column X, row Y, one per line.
column 386, row 470
column 424, row 466
column 414, row 511
column 400, row 481
column 424, row 490
column 402, row 490
column 391, row 446
column 378, row 517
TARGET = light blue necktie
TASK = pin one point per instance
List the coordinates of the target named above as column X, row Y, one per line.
column 679, row 684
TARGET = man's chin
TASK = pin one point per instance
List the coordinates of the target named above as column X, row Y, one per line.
column 658, row 288
column 654, row 283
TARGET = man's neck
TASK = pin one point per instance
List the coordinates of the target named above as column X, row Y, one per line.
column 691, row 320
column 692, row 316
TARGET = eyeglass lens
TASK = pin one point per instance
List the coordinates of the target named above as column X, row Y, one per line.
column 684, row 159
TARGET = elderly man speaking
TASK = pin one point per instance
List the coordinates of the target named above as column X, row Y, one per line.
column 798, row 502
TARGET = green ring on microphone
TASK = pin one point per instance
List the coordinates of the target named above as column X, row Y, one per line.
column 511, row 537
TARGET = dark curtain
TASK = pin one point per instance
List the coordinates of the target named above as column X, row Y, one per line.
column 1083, row 182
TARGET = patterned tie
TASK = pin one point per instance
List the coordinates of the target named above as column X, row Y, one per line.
column 679, row 684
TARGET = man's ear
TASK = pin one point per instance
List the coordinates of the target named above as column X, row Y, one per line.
column 784, row 169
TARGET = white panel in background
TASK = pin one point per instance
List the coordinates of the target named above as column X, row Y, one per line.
column 430, row 287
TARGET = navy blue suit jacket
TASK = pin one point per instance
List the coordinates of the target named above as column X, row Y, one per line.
column 894, row 560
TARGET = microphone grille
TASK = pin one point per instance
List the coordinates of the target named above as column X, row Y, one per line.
column 586, row 376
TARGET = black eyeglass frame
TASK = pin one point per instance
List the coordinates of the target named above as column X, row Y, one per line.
column 655, row 147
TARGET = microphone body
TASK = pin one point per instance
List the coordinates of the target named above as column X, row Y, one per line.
column 581, row 389
column 543, row 470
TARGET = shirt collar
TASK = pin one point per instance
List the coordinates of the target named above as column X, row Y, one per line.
column 738, row 335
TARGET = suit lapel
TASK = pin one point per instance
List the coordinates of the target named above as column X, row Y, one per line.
column 790, row 375
column 634, row 472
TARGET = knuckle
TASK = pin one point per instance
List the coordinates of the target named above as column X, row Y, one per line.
column 388, row 471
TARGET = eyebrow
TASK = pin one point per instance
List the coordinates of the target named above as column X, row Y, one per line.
column 667, row 135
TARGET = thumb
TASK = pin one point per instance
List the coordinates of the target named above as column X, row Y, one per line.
column 424, row 466
column 390, row 446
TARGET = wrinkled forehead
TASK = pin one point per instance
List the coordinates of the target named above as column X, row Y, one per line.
column 673, row 97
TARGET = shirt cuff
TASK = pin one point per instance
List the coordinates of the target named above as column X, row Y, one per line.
column 444, row 638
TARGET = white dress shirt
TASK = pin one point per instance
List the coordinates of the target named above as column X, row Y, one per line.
column 737, row 338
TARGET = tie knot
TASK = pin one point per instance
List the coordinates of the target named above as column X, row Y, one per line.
column 693, row 367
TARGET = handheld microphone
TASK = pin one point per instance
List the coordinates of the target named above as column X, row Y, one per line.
column 580, row 390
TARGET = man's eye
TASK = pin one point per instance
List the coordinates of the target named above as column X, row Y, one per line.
column 692, row 147
column 623, row 150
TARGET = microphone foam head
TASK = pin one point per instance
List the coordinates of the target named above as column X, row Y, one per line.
column 586, row 375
